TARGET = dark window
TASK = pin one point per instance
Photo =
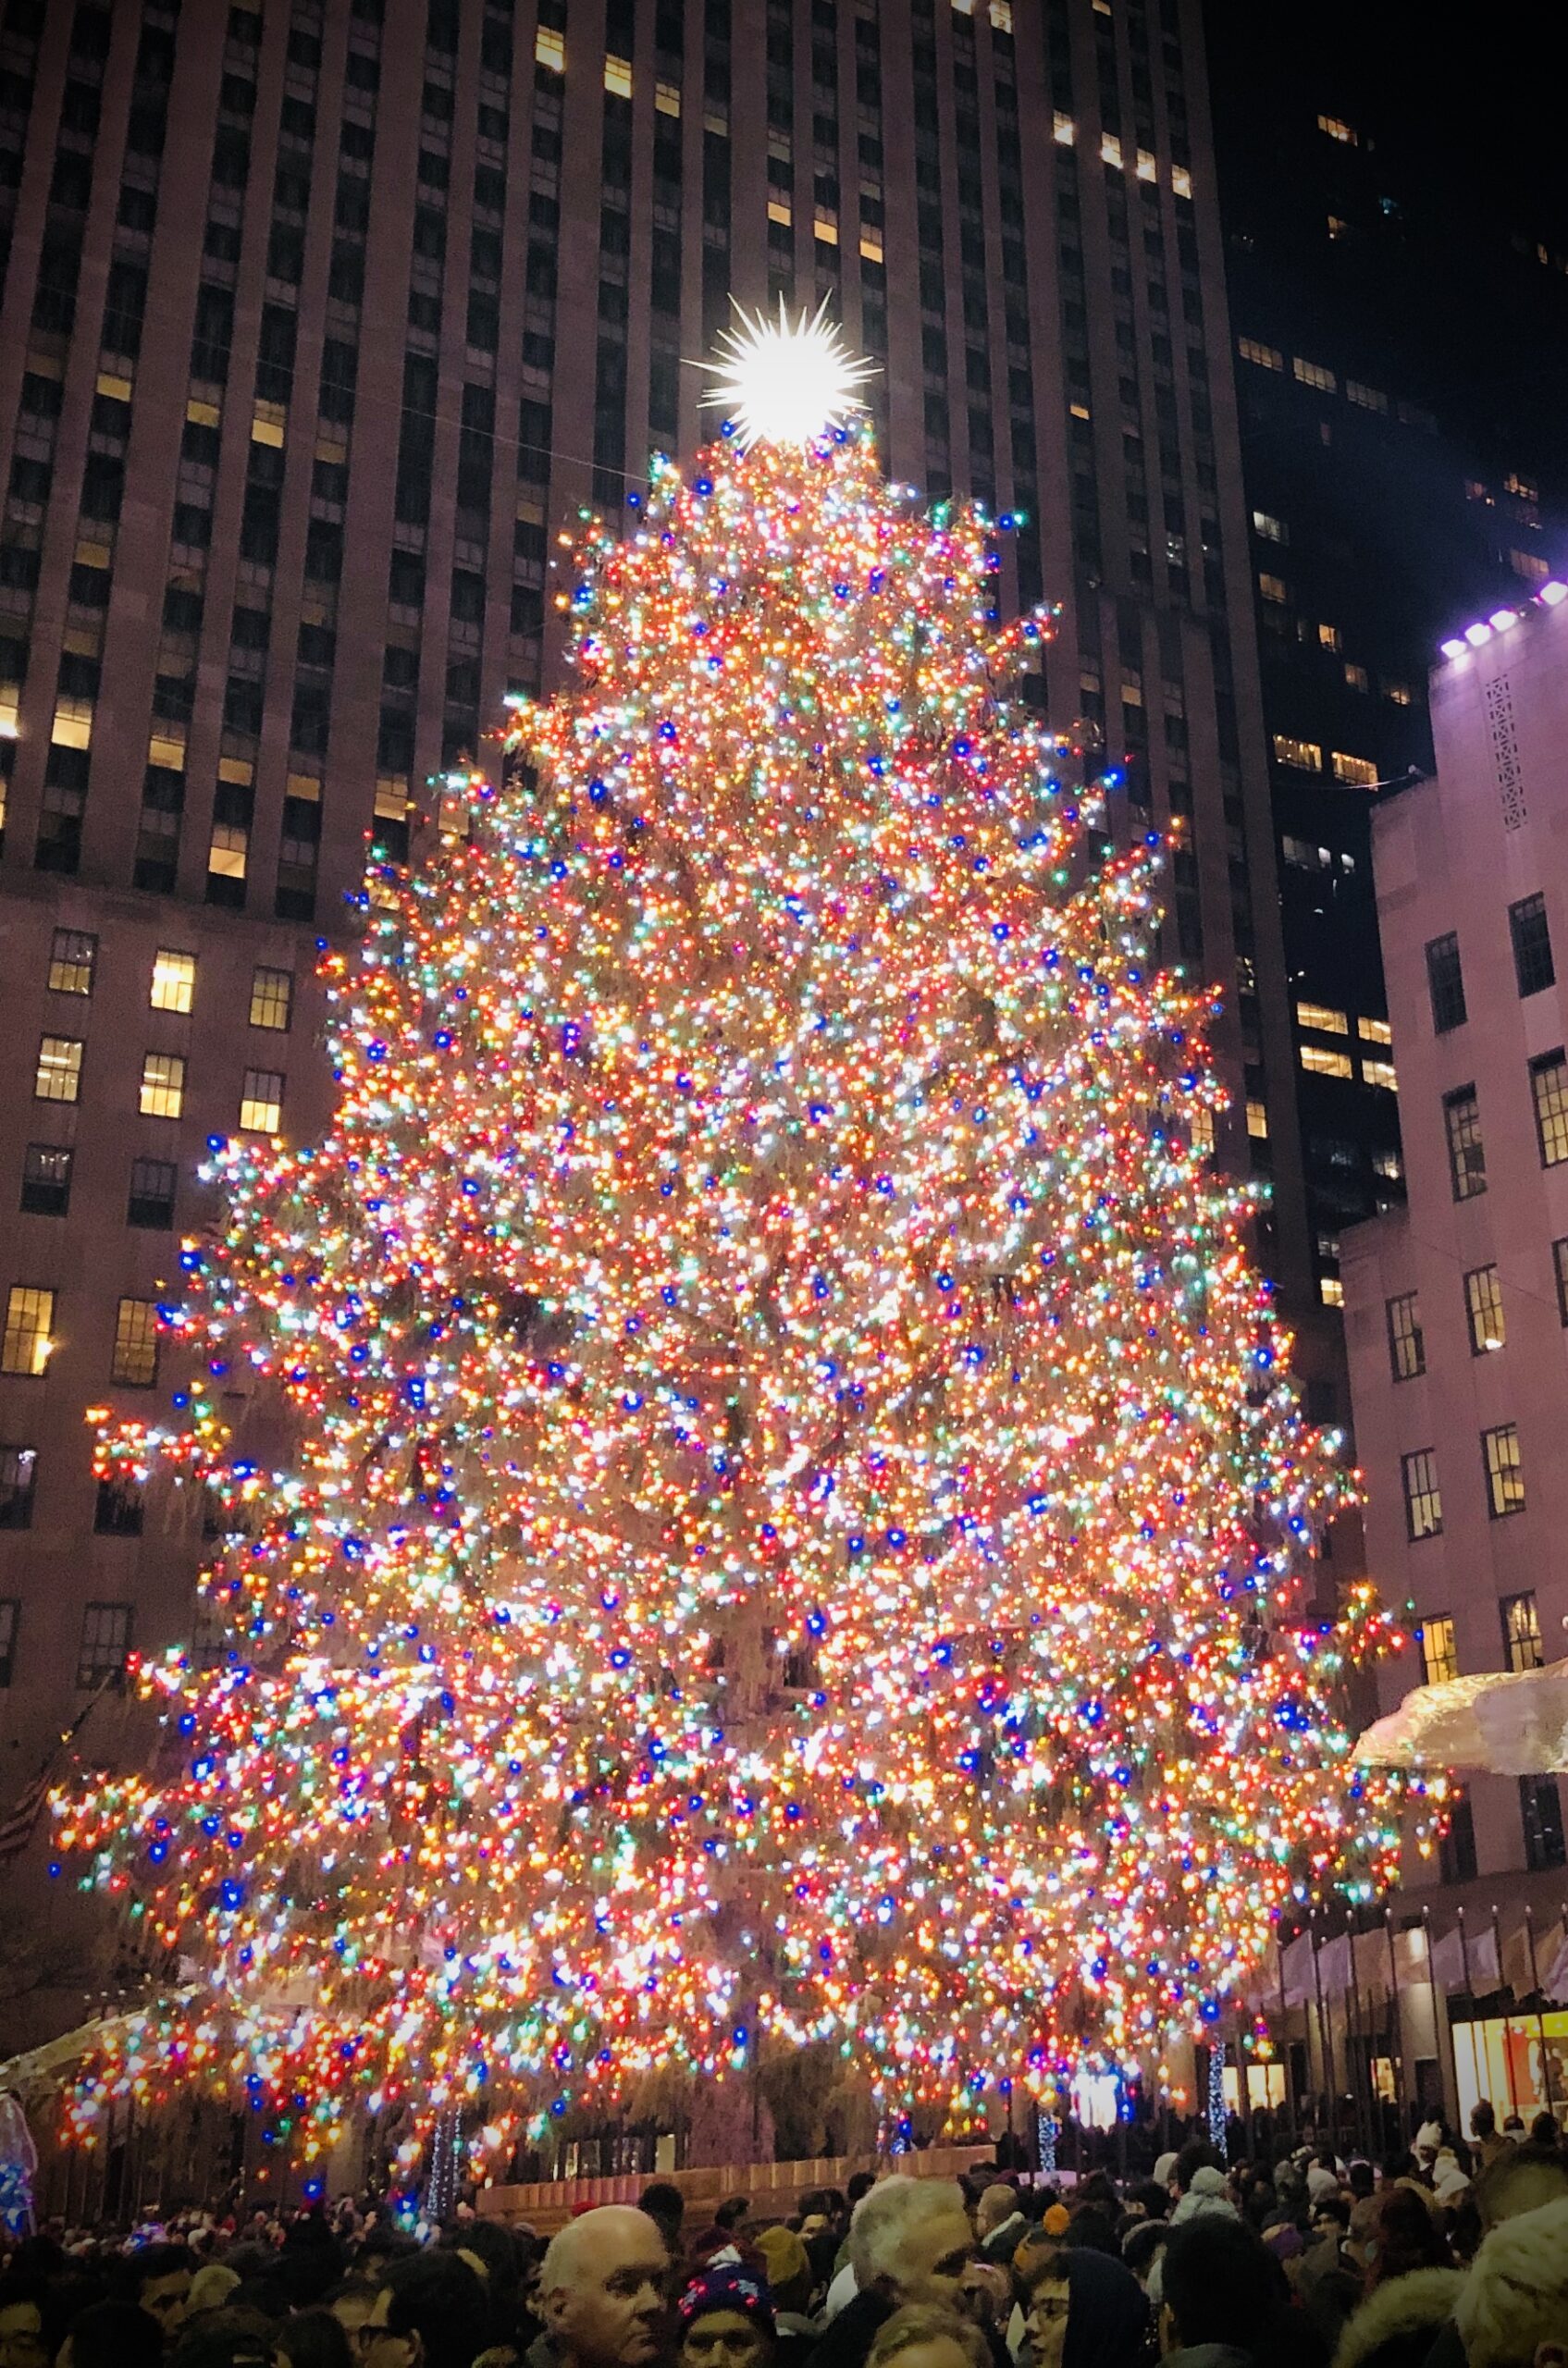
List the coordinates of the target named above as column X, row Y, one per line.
column 106, row 1633
column 153, row 1183
column 1532, row 946
column 1445, row 983
column 1407, row 1345
column 1559, row 1272
column 46, row 1180
column 1467, row 1153
column 1423, row 1500
column 1456, row 1851
column 1549, row 1086
column 18, row 1477
column 1540, row 1813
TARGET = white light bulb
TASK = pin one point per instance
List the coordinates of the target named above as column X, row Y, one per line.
column 783, row 381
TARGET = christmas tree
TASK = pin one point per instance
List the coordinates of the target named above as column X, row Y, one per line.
column 761, row 1498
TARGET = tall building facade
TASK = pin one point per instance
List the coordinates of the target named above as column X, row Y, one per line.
column 323, row 321
column 1457, row 1305
column 1394, row 246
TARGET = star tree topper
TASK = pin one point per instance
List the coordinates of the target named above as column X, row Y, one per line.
column 785, row 381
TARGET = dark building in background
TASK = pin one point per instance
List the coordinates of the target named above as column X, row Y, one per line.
column 322, row 321
column 1397, row 252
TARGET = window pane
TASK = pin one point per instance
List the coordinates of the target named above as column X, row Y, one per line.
column 1467, row 1156
column 272, row 997
column 30, row 1324
column 174, row 981
column 1560, row 1270
column 1324, row 1018
column 261, row 1104
column 71, row 957
column 1445, row 983
column 1324, row 1061
column 162, row 1085
column 1540, row 1814
column 1505, row 1479
column 1423, row 1505
column 1407, row 1345
column 1532, row 946
column 59, row 1075
column 10, row 1621
column 153, row 1185
column 136, row 1343
column 1549, row 1082
column 1439, row 1657
column 105, row 1641
column 1522, row 1632
column 1483, row 1308
column 46, row 1180
column 1456, row 1851
column 19, row 1475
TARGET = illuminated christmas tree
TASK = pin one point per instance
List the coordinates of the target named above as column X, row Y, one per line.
column 768, row 1506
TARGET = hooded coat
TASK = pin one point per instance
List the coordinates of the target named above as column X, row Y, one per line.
column 1399, row 2321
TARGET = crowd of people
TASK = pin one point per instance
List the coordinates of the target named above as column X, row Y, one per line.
column 1451, row 2254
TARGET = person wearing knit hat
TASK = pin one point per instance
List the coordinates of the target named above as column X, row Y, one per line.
column 790, row 2282
column 1164, row 2169
column 1321, row 2183
column 210, row 2290
column 1208, row 2196
column 726, row 2320
column 1057, row 2220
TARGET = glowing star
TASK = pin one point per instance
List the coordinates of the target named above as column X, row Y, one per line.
column 783, row 381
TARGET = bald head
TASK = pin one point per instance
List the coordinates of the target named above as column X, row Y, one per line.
column 998, row 2204
column 602, row 2288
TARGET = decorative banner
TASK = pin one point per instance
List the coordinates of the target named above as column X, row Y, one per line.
column 1514, row 1725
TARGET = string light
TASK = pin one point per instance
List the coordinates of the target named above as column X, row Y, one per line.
column 761, row 1498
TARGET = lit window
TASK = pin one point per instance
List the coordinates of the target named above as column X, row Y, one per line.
column 1527, row 564
column 1359, row 772
column 1548, row 1083
column 230, row 851
column 1324, row 1062
column 1110, row 149
column 1338, row 226
column 1521, row 488
column 1313, row 374
column 1305, row 856
column 1505, row 1482
column 162, row 1085
column 1423, row 1503
column 1399, row 692
column 1374, row 1031
column 1440, row 1654
column 1203, row 1133
column 1273, row 530
column 1532, row 964
column 1181, row 181
column 1483, row 1309
column 1328, row 637
column 1331, row 1290
column 272, row 998
column 1467, row 1153
column 18, row 1476
column 1522, row 1632
column 549, row 49
column 1305, row 755
column 1062, row 129
column 72, row 957
column 1337, row 129
column 261, row 1104
column 1258, row 1122
column 1381, row 1074
column 30, row 1327
column 174, row 981
column 1356, row 677
column 58, row 1076
column 136, row 1344
column 1407, row 1343
column 1388, row 1163
column 1324, row 1018
column 667, row 98
column 618, row 76
column 105, row 1643
column 1267, row 357
column 1001, row 15
column 1272, row 587
column 1369, row 398
column 1445, row 983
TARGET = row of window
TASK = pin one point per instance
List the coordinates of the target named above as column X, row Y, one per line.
column 28, row 1341
column 105, row 1644
column 1462, row 1123
column 48, row 1170
column 1533, row 968
column 161, row 1090
column 1499, row 1463
column 73, row 971
column 1540, row 1818
column 1484, row 1314
column 1306, row 756
column 1521, row 1645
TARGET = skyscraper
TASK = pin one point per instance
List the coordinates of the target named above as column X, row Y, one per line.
column 321, row 322
column 1397, row 249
